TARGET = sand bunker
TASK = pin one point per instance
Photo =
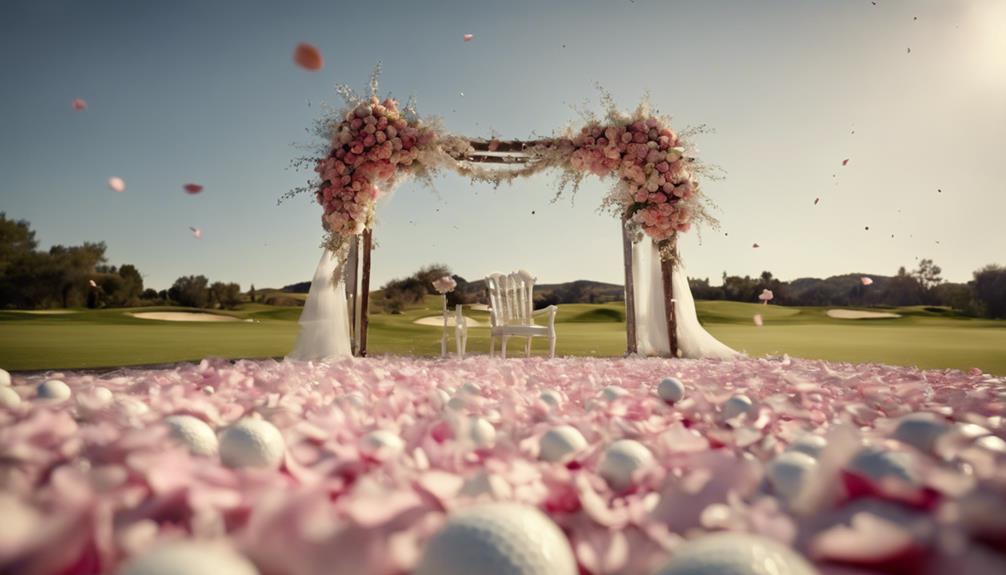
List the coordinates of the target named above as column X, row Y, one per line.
column 478, row 307
column 438, row 321
column 857, row 314
column 182, row 316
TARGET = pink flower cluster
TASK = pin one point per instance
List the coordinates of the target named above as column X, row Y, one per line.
column 646, row 155
column 445, row 285
column 370, row 146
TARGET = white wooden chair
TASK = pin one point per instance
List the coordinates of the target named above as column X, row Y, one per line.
column 512, row 312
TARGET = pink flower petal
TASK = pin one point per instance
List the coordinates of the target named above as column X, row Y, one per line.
column 196, row 233
column 79, row 104
column 116, row 184
column 193, row 188
column 308, row 57
column 468, row 37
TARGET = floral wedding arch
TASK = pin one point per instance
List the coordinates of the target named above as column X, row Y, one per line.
column 372, row 145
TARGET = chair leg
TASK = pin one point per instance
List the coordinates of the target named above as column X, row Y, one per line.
column 551, row 346
column 527, row 347
column 505, row 338
column 492, row 346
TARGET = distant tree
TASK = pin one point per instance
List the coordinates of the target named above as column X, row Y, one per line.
column 226, row 295
column 149, row 294
column 251, row 293
column 460, row 295
column 132, row 282
column 73, row 265
column 190, row 291
column 989, row 289
column 17, row 241
column 903, row 289
column 955, row 296
column 427, row 274
column 928, row 274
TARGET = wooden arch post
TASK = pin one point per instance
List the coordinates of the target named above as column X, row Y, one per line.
column 666, row 275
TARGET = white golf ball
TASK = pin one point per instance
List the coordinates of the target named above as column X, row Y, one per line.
column 252, row 443
column 736, row 406
column 498, row 539
column 4, row 378
column 481, row 433
column 457, row 403
column 54, row 390
column 440, row 397
column 9, row 398
column 190, row 558
column 876, row 464
column 788, row 473
column 810, row 444
column 471, row 389
column 613, row 392
column 381, row 444
column 920, row 430
column 559, row 444
column 671, row 389
column 736, row 554
column 96, row 400
column 552, row 398
column 355, row 399
column 193, row 433
column 620, row 462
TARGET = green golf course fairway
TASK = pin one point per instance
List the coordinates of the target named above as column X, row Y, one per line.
column 925, row 337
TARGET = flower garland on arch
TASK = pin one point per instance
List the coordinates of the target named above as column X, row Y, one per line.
column 373, row 144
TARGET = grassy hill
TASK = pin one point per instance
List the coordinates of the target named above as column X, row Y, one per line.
column 928, row 337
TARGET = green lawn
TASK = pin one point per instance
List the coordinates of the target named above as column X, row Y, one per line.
column 926, row 337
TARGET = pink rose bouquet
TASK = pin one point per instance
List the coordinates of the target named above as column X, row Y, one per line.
column 648, row 158
column 370, row 148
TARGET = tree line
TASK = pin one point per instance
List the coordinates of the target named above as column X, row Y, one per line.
column 79, row 276
column 983, row 296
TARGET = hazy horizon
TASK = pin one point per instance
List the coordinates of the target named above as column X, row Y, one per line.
column 208, row 94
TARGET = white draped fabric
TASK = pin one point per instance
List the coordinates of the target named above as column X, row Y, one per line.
column 651, row 321
column 324, row 323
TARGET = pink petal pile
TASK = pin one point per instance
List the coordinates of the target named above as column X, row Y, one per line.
column 860, row 468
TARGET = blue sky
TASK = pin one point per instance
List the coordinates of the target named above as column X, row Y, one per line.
column 206, row 92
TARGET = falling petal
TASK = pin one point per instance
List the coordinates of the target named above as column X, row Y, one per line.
column 79, row 104
column 462, row 94
column 193, row 188
column 909, row 50
column 468, row 37
column 755, row 246
column 196, row 233
column 758, row 320
column 117, row 184
column 94, row 285
column 867, row 281
column 816, row 200
column 845, row 162
column 308, row 57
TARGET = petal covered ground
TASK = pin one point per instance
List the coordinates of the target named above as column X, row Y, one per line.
column 834, row 460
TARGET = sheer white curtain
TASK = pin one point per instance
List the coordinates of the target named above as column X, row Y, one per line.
column 651, row 321
column 324, row 323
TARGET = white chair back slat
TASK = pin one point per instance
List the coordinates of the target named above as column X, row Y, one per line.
column 511, row 301
column 511, row 298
